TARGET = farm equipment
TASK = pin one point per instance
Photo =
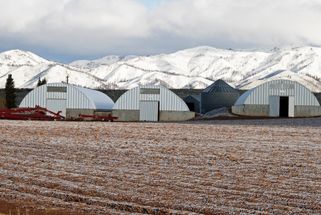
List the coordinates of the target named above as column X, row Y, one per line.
column 97, row 118
column 40, row 113
column 36, row 113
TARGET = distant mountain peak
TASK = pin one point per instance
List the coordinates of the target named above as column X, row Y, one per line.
column 20, row 57
column 196, row 67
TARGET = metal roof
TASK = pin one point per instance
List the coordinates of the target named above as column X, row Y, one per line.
column 220, row 86
column 196, row 97
column 77, row 97
column 101, row 101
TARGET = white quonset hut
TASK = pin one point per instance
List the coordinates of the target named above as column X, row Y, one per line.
column 278, row 98
column 71, row 100
column 151, row 103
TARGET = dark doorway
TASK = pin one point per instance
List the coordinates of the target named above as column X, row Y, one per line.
column 284, row 106
column 191, row 106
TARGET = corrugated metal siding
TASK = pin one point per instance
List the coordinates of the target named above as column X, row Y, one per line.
column 78, row 100
column 167, row 99
column 35, row 97
column 260, row 95
column 77, row 97
column 128, row 101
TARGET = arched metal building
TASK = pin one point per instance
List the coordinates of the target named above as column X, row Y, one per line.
column 278, row 98
column 71, row 100
column 218, row 95
column 151, row 103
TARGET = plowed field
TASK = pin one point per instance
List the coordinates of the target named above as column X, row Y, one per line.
column 162, row 168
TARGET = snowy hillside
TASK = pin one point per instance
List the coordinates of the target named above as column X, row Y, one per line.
column 191, row 68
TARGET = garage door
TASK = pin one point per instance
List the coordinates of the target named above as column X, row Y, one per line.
column 274, row 103
column 148, row 111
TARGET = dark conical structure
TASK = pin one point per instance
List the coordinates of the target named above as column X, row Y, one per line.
column 218, row 95
column 193, row 102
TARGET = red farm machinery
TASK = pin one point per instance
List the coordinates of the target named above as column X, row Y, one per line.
column 36, row 113
column 40, row 113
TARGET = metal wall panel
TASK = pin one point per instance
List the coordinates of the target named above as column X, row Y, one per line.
column 35, row 97
column 129, row 100
column 169, row 101
column 148, row 111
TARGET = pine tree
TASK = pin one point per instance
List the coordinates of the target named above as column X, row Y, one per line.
column 10, row 93
column 44, row 81
column 41, row 82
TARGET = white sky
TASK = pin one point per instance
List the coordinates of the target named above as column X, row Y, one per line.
column 88, row 28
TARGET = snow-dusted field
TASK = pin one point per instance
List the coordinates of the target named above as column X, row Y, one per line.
column 204, row 168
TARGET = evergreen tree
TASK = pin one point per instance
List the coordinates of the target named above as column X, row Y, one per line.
column 41, row 82
column 44, row 81
column 10, row 93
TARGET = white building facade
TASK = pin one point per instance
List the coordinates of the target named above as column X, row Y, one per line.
column 151, row 103
column 67, row 98
column 278, row 98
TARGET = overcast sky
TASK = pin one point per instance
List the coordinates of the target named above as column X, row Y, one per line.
column 66, row 30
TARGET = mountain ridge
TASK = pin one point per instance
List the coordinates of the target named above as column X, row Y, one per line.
column 189, row 68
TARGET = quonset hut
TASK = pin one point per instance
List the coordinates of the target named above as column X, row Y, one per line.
column 151, row 103
column 218, row 95
column 278, row 98
column 71, row 100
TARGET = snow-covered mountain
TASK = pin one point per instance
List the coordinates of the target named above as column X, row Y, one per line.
column 191, row 68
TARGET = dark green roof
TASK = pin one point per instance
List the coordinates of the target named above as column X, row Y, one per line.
column 196, row 97
column 220, row 86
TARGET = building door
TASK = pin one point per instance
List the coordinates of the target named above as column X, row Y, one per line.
column 149, row 111
column 284, row 106
column 274, row 103
column 56, row 105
